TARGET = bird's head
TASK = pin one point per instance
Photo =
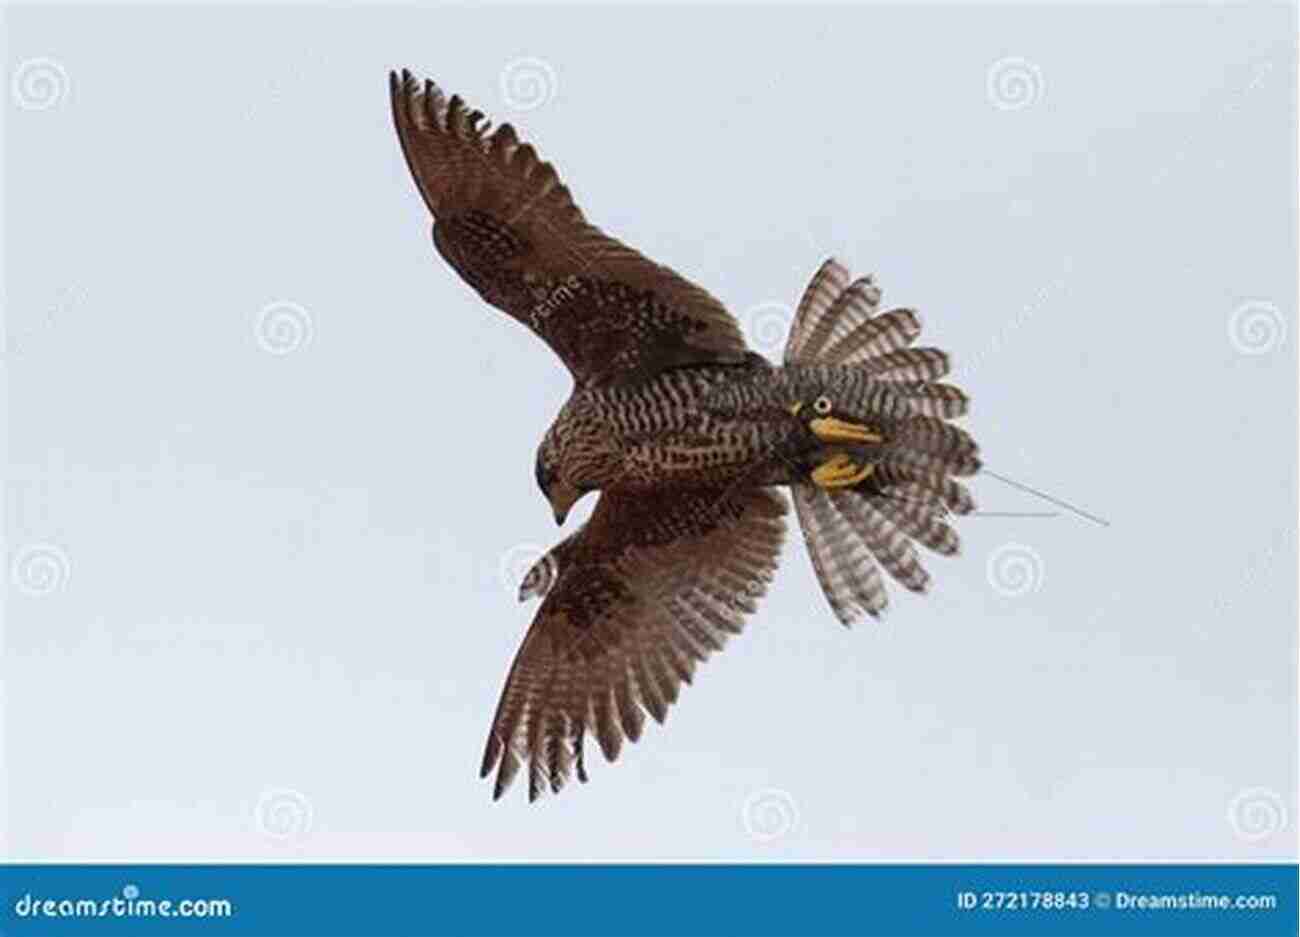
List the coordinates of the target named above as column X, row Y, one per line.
column 559, row 491
column 836, row 422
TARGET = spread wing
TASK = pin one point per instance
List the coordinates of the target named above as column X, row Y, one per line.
column 509, row 227
column 652, row 585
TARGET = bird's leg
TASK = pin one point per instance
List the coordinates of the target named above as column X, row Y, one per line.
column 841, row 471
column 840, row 467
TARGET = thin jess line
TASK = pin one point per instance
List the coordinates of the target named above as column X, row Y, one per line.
column 1014, row 514
column 1046, row 497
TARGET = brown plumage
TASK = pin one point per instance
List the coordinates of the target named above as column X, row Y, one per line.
column 688, row 436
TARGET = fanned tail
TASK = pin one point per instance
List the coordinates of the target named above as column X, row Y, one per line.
column 912, row 492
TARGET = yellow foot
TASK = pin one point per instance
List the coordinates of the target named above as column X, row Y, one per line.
column 830, row 429
column 839, row 471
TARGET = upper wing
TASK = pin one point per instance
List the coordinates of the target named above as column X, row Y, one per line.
column 652, row 585
column 508, row 226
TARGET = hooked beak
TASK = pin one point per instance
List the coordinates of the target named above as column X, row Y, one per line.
column 562, row 497
column 831, row 429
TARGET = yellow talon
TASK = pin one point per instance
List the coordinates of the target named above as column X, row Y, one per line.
column 830, row 429
column 839, row 471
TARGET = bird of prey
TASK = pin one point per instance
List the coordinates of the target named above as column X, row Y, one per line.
column 689, row 437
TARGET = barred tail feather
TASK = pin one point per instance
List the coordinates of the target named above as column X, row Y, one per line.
column 939, row 400
column 848, row 575
column 915, row 481
column 921, row 521
column 889, row 545
column 909, row 364
column 853, row 534
column 852, row 309
column 812, row 321
column 884, row 333
column 950, row 444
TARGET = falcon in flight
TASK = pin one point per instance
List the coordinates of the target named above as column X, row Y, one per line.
column 688, row 436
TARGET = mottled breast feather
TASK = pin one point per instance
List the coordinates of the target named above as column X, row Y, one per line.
column 509, row 227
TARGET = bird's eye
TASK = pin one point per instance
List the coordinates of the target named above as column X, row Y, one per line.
column 822, row 405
